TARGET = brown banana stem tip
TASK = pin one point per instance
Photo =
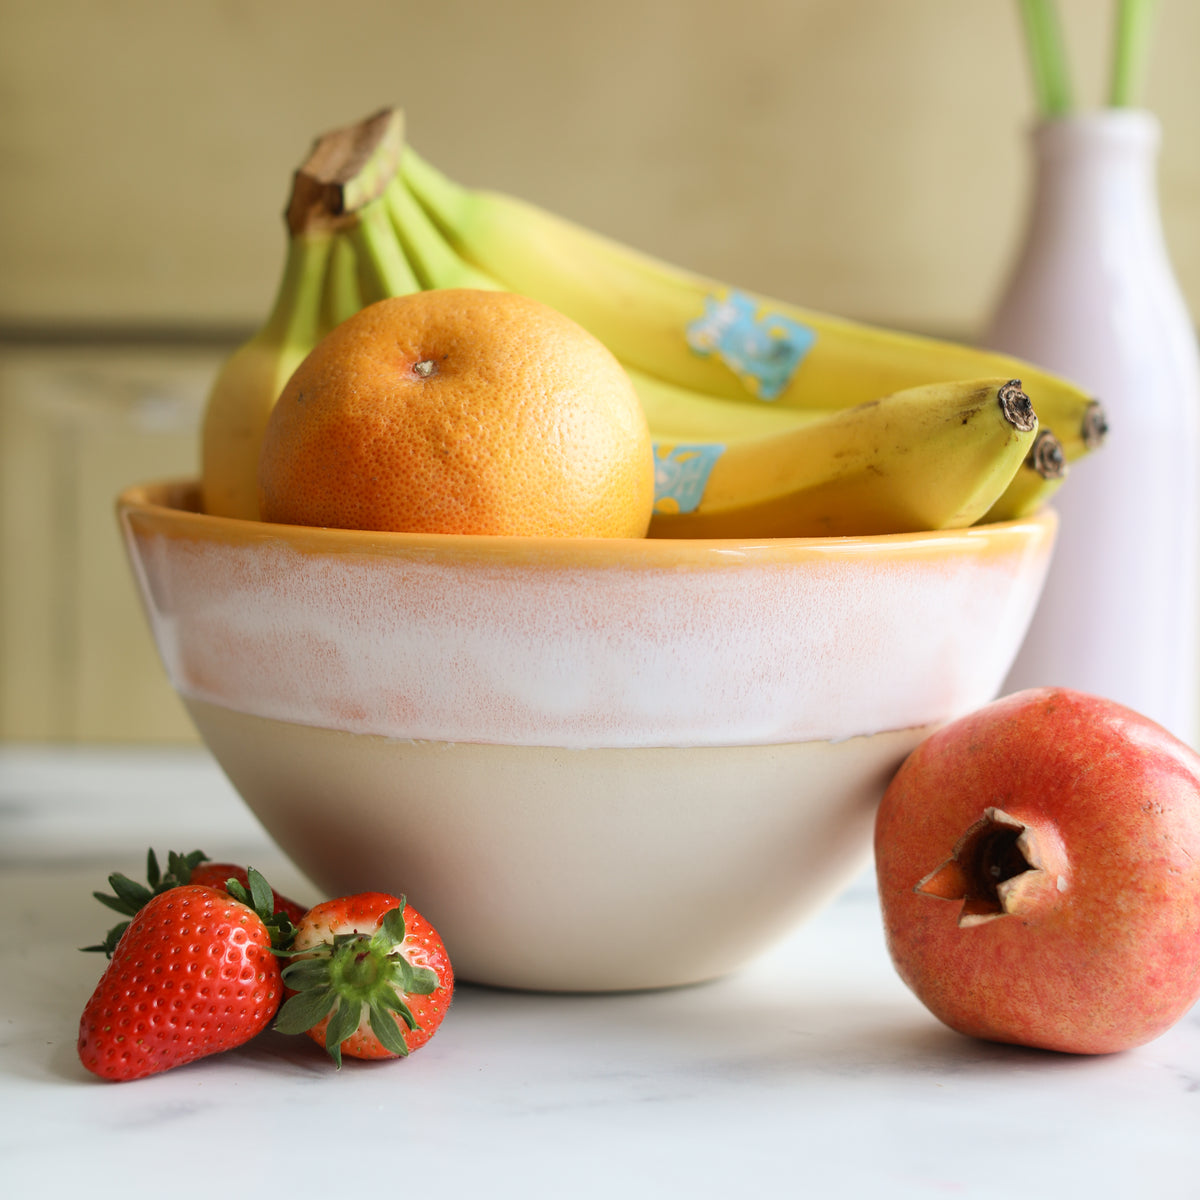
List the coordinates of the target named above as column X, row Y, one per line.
column 1094, row 428
column 346, row 169
column 1016, row 406
column 1046, row 456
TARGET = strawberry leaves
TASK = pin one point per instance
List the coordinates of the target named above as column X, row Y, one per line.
column 261, row 899
column 129, row 897
column 354, row 980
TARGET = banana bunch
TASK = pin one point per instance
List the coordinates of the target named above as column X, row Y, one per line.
column 767, row 420
column 341, row 253
column 698, row 337
column 928, row 457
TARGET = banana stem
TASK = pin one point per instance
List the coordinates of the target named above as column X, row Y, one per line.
column 346, row 170
column 434, row 260
column 383, row 268
column 342, row 296
column 1046, row 456
column 337, row 198
column 1131, row 48
column 424, row 254
column 295, row 317
column 442, row 199
column 1047, row 56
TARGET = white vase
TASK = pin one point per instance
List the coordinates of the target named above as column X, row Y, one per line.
column 1093, row 297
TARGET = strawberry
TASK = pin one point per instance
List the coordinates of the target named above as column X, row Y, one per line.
column 193, row 974
column 218, row 875
column 129, row 896
column 369, row 977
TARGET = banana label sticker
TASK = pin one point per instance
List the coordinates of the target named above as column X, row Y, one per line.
column 761, row 347
column 681, row 474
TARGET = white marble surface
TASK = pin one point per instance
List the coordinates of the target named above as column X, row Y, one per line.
column 812, row 1073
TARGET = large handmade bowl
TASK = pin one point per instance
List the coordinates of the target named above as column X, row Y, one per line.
column 592, row 764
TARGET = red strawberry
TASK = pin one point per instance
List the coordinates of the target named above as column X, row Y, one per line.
column 370, row 978
column 218, row 875
column 193, row 974
column 129, row 896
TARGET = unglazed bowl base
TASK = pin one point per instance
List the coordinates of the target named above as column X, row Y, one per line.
column 569, row 870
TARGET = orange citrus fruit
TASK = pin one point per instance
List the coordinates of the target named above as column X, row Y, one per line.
column 460, row 411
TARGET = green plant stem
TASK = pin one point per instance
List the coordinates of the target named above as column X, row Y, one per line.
column 1131, row 46
column 1047, row 56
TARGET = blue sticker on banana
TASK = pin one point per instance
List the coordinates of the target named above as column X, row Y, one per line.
column 681, row 473
column 762, row 348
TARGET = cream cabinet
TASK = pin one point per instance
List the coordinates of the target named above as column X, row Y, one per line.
column 76, row 426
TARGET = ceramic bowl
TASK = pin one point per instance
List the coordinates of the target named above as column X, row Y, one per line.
column 593, row 764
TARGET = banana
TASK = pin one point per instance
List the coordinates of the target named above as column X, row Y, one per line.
column 343, row 295
column 1036, row 480
column 338, row 187
column 930, row 457
column 435, row 262
column 1076, row 425
column 925, row 457
column 727, row 465
column 673, row 412
column 383, row 267
column 248, row 382
column 694, row 333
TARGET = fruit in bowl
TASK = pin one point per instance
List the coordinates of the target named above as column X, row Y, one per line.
column 766, row 419
column 459, row 411
column 537, row 728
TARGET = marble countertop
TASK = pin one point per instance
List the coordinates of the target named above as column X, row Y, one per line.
column 811, row 1073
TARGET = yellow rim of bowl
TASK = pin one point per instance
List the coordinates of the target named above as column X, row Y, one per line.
column 172, row 507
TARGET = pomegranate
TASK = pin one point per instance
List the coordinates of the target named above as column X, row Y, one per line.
column 1039, row 873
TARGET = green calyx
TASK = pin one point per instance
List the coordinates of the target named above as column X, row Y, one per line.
column 129, row 897
column 354, row 974
column 261, row 899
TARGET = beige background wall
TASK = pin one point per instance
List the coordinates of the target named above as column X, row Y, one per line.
column 860, row 156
